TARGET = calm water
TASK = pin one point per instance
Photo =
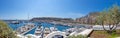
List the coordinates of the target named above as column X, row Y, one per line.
column 59, row 27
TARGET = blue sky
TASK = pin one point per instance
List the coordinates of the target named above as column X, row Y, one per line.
column 19, row 9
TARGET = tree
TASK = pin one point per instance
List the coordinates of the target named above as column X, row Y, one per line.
column 5, row 31
column 110, row 17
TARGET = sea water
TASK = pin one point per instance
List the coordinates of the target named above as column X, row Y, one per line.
column 59, row 27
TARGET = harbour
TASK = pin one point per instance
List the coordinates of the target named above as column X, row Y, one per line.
column 44, row 29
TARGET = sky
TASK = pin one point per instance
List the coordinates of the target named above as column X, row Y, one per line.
column 21, row 9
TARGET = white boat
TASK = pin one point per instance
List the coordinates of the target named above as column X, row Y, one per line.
column 26, row 28
column 38, row 31
column 15, row 22
column 46, row 31
column 53, row 29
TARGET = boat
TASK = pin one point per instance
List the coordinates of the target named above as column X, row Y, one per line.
column 53, row 29
column 15, row 22
column 26, row 28
column 46, row 31
column 38, row 31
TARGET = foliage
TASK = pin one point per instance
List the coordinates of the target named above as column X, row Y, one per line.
column 104, row 34
column 78, row 36
column 29, row 36
column 5, row 31
column 110, row 17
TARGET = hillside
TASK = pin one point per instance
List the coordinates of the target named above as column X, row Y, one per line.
column 51, row 19
column 88, row 19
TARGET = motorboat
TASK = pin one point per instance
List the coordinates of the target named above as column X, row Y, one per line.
column 53, row 29
column 47, row 31
column 38, row 31
column 15, row 22
column 26, row 28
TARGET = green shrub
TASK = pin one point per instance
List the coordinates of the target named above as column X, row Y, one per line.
column 78, row 36
column 6, row 31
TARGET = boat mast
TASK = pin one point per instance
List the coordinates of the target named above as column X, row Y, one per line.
column 28, row 16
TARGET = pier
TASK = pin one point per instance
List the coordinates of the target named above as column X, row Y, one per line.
column 26, row 28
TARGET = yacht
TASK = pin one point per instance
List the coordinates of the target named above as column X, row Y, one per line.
column 15, row 22
column 26, row 28
column 53, row 29
column 46, row 31
column 38, row 31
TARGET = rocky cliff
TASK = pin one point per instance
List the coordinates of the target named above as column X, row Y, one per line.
column 88, row 19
